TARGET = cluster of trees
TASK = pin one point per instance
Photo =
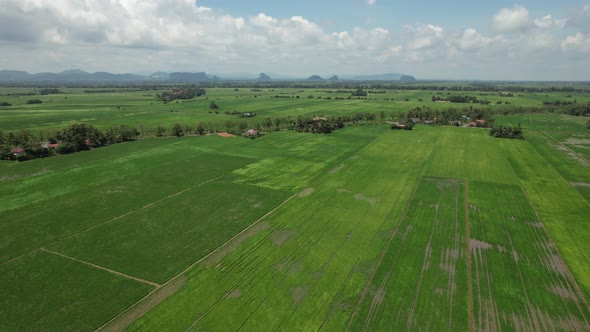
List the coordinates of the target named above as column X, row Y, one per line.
column 241, row 114
column 408, row 125
column 3, row 103
column 588, row 124
column 49, row 91
column 558, row 103
column 446, row 116
column 187, row 92
column 461, row 99
column 359, row 93
column 34, row 101
column 507, row 132
column 23, row 145
column 318, row 125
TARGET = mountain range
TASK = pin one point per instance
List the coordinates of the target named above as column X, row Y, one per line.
column 80, row 76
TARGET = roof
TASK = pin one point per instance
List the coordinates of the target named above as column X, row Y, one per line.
column 481, row 120
column 17, row 150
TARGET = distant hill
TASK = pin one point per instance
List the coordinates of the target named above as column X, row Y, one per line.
column 315, row 78
column 188, row 77
column 383, row 77
column 407, row 78
column 160, row 75
column 80, row 76
column 13, row 75
column 264, row 77
column 74, row 75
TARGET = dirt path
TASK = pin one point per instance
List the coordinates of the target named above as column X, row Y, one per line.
column 383, row 252
column 103, row 268
column 469, row 276
column 114, row 219
column 127, row 317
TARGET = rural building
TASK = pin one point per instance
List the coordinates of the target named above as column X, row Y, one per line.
column 252, row 133
column 17, row 151
column 416, row 120
column 472, row 124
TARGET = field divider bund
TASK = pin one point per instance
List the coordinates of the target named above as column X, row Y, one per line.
column 103, row 268
column 129, row 309
column 114, row 219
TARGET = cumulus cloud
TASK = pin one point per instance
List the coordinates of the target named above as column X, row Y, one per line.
column 128, row 35
column 547, row 22
column 580, row 42
column 509, row 20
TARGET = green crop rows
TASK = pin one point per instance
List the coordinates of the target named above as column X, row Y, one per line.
column 437, row 228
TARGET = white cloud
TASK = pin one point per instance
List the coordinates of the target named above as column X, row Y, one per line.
column 548, row 22
column 371, row 2
column 509, row 20
column 580, row 42
column 130, row 35
column 424, row 36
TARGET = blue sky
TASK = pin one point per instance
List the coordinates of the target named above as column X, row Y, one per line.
column 498, row 40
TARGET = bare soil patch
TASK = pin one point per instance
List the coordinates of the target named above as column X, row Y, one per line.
column 234, row 294
column 370, row 200
column 218, row 255
column 281, row 236
column 580, row 184
column 306, row 192
column 477, row 244
column 577, row 141
column 299, row 294
column 342, row 190
column 226, row 135
column 128, row 317
column 337, row 168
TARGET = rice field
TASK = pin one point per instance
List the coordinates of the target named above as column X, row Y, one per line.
column 437, row 228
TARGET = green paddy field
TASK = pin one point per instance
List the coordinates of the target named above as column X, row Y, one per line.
column 438, row 228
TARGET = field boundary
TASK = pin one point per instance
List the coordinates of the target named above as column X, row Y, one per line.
column 136, row 310
column 383, row 252
column 114, row 219
column 103, row 268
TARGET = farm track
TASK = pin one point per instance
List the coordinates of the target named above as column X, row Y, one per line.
column 120, row 320
column 383, row 252
column 114, row 219
column 153, row 284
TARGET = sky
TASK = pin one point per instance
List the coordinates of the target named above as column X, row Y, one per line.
column 430, row 39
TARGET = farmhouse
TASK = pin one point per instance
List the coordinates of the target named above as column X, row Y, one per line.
column 17, row 151
column 251, row 133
